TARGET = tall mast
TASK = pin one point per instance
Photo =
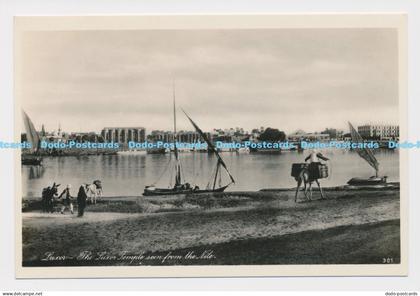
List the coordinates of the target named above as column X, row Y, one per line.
column 173, row 94
column 177, row 165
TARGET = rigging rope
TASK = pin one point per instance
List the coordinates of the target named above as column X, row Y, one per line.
column 212, row 176
column 171, row 170
column 163, row 172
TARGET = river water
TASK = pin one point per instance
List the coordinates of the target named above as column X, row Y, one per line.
column 127, row 175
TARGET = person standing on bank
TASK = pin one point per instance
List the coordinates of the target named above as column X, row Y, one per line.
column 81, row 201
column 68, row 199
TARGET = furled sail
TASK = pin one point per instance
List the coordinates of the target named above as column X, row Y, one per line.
column 364, row 153
column 178, row 180
column 211, row 146
column 31, row 133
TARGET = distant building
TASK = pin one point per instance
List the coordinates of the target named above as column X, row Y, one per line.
column 236, row 134
column 181, row 136
column 54, row 136
column 303, row 136
column 191, row 137
column 333, row 133
column 347, row 137
column 380, row 132
column 123, row 135
column 81, row 137
column 164, row 136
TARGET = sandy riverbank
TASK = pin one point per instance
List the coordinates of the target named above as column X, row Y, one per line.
column 267, row 227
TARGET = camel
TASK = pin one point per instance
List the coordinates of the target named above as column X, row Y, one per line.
column 305, row 178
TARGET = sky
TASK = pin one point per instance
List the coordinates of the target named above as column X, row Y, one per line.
column 288, row 79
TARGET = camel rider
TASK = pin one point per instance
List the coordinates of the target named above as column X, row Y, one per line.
column 315, row 157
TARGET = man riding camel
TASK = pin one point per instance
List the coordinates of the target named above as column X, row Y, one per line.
column 311, row 174
column 315, row 157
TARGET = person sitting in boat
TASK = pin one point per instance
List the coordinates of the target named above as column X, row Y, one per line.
column 185, row 186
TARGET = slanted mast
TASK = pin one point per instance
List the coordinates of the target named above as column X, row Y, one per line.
column 220, row 161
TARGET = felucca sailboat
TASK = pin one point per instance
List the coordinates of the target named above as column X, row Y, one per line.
column 366, row 154
column 183, row 187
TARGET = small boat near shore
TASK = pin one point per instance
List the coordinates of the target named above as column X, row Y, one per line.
column 367, row 181
column 31, row 160
column 157, row 151
column 183, row 187
column 151, row 191
column 132, row 152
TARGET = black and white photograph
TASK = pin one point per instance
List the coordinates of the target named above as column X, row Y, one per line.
column 197, row 144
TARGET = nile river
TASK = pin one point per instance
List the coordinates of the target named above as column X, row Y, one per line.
column 127, row 175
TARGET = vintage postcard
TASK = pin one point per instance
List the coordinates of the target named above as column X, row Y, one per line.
column 211, row 145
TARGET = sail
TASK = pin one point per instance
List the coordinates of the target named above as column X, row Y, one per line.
column 364, row 153
column 210, row 145
column 31, row 134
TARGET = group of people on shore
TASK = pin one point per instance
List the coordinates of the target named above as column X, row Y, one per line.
column 50, row 195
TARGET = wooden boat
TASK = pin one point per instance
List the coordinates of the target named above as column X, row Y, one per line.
column 132, row 152
column 366, row 154
column 182, row 187
column 151, row 191
column 367, row 181
column 157, row 151
column 33, row 158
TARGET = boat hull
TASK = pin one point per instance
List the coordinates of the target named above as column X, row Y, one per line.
column 132, row 152
column 366, row 181
column 32, row 161
column 166, row 191
column 157, row 151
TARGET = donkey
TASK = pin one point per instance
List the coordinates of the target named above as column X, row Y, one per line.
column 306, row 178
column 48, row 195
column 94, row 191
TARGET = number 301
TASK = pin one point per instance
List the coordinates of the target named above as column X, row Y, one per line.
column 387, row 260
